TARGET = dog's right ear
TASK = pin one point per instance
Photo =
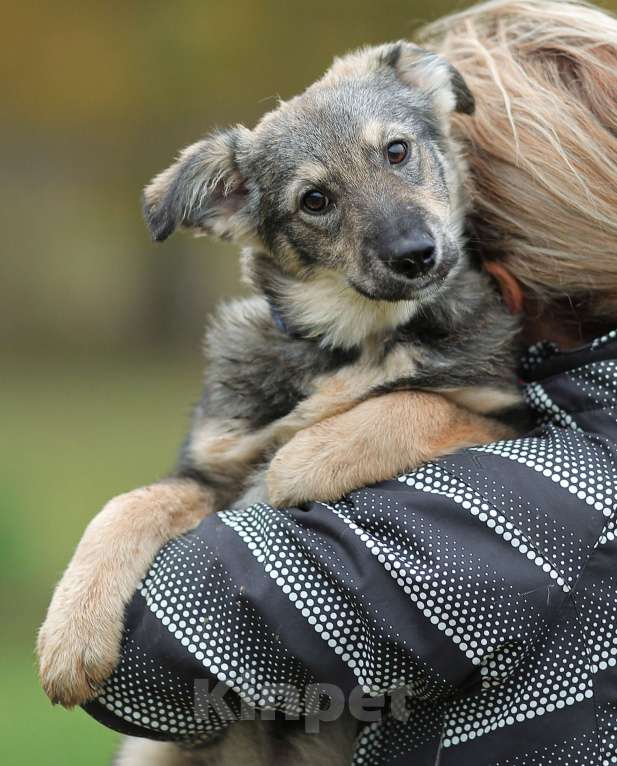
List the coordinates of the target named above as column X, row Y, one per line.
column 203, row 190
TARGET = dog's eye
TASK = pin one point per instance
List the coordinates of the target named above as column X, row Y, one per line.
column 396, row 152
column 314, row 201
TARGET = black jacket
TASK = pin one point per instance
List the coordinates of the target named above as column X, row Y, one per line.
column 478, row 594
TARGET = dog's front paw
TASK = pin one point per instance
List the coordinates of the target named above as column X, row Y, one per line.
column 285, row 487
column 79, row 643
column 77, row 651
column 307, row 468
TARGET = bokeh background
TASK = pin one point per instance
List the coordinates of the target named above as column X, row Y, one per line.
column 101, row 329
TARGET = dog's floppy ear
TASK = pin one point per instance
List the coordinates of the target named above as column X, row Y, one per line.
column 431, row 74
column 203, row 190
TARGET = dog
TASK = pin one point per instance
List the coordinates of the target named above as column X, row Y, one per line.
column 350, row 201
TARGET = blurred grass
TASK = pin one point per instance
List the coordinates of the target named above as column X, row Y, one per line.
column 35, row 733
column 76, row 432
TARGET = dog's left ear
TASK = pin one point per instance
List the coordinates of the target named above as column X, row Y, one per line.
column 431, row 74
column 416, row 67
column 204, row 190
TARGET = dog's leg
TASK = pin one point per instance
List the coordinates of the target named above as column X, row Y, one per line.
column 146, row 752
column 79, row 642
column 376, row 440
column 342, row 390
column 226, row 449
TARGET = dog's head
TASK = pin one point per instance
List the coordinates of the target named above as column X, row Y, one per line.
column 357, row 180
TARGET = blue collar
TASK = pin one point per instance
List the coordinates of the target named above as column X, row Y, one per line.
column 279, row 319
column 280, row 322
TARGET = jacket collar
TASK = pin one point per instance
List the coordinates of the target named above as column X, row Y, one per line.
column 544, row 359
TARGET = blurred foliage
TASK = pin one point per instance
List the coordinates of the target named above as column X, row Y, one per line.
column 77, row 430
column 101, row 329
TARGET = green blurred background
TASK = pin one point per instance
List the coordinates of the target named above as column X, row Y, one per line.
column 101, row 329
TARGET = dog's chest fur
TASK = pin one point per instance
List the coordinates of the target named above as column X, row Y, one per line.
column 257, row 372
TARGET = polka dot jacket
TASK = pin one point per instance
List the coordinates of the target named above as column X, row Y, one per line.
column 475, row 599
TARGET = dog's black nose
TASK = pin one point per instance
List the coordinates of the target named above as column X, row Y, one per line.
column 412, row 257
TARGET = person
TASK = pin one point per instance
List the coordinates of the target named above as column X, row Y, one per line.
column 476, row 595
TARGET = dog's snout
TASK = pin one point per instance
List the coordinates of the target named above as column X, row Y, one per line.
column 412, row 256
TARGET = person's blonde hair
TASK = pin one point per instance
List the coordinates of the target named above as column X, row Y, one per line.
column 542, row 145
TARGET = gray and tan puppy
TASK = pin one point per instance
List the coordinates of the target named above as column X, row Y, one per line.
column 350, row 202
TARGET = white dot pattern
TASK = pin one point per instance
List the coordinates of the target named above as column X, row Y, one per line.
column 482, row 585
column 143, row 693
column 335, row 613
column 573, row 751
column 433, row 479
column 583, row 467
column 604, row 340
column 539, row 400
column 456, row 592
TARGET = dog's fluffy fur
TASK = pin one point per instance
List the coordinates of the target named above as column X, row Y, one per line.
column 332, row 324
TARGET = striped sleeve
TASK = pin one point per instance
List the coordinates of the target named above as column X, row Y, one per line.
column 436, row 583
